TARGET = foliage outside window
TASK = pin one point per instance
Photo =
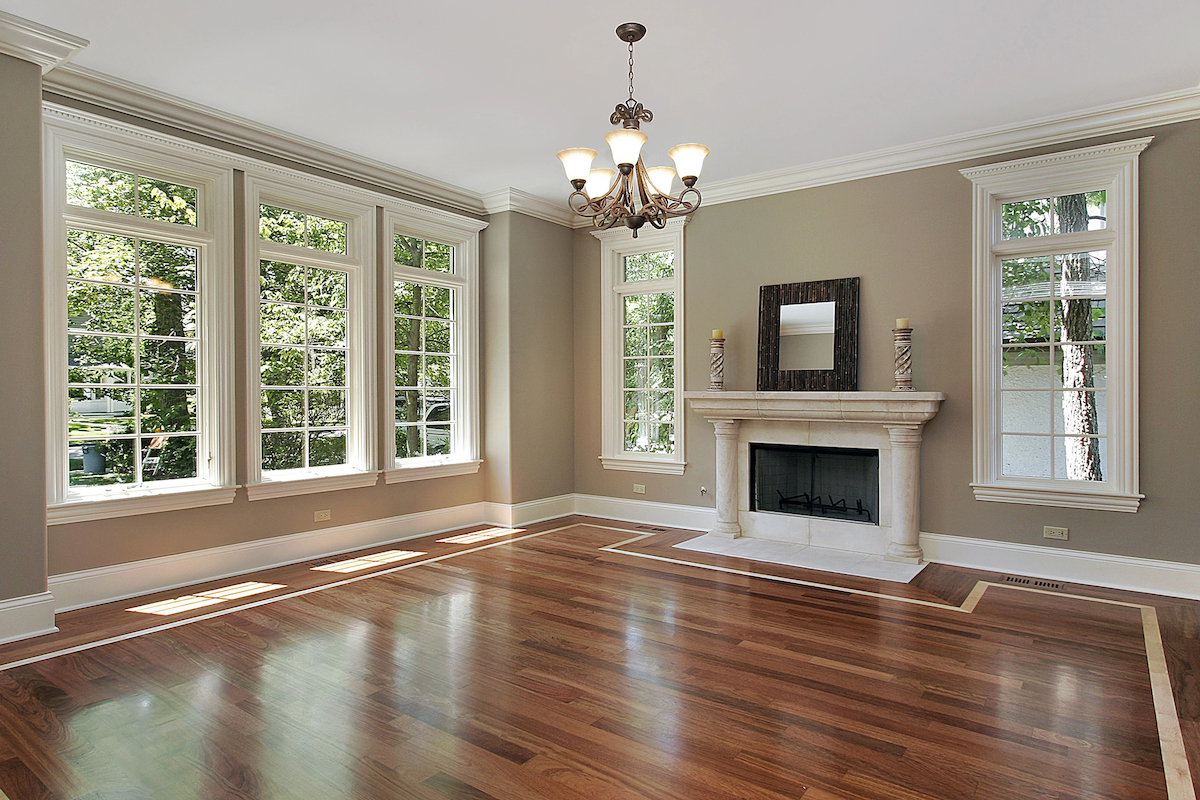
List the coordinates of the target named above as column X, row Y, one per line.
column 303, row 365
column 303, row 230
column 133, row 382
column 425, row 316
column 1055, row 329
column 642, row 365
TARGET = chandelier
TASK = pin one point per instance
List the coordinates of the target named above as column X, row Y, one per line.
column 638, row 195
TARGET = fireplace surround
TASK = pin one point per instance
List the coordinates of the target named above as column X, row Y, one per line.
column 889, row 422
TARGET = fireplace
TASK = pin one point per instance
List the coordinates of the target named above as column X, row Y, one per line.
column 832, row 482
column 887, row 424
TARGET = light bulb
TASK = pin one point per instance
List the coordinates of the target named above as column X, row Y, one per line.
column 626, row 144
column 577, row 161
column 660, row 179
column 689, row 160
column 598, row 182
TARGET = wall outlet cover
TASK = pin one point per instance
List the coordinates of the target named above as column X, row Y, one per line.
column 324, row 515
column 639, row 488
column 1050, row 532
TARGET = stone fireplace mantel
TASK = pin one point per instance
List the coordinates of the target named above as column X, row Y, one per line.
column 833, row 419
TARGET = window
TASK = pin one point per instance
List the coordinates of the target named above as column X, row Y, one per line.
column 433, row 310
column 1056, row 329
column 642, row 349
column 138, row 314
column 312, row 420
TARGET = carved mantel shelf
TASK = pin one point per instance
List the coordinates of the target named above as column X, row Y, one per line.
column 883, row 408
column 902, row 415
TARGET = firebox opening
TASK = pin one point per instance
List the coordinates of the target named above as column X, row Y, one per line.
column 830, row 482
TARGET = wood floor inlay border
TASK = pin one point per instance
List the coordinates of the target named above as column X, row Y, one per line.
column 1170, row 734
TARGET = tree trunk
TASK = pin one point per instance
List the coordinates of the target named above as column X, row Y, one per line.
column 1075, row 325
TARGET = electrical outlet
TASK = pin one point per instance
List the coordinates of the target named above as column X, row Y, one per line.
column 639, row 488
column 324, row 515
column 1049, row 532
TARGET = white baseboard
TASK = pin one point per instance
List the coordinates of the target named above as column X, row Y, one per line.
column 696, row 518
column 1170, row 578
column 31, row 616
column 526, row 513
column 24, row 617
column 120, row 581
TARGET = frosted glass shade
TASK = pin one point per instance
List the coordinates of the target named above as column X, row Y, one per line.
column 626, row 144
column 660, row 179
column 577, row 161
column 689, row 159
column 598, row 182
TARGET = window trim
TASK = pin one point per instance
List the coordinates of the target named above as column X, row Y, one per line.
column 331, row 201
column 142, row 152
column 462, row 233
column 1113, row 167
column 616, row 243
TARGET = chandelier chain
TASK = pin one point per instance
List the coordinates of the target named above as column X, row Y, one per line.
column 631, row 70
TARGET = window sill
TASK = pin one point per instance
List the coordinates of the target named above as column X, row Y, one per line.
column 310, row 483
column 425, row 470
column 1062, row 497
column 140, row 501
column 634, row 464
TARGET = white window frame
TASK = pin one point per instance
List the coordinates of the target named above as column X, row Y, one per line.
column 1113, row 168
column 615, row 244
column 332, row 202
column 462, row 233
column 121, row 148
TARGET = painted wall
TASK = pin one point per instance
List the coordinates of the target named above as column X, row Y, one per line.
column 528, row 316
column 908, row 236
column 22, row 418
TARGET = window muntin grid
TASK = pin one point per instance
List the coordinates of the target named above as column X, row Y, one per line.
column 135, row 194
column 426, row 353
column 648, row 358
column 303, row 365
column 413, row 251
column 1053, row 398
column 282, row 225
column 132, row 347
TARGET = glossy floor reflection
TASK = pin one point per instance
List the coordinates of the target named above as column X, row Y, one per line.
column 549, row 668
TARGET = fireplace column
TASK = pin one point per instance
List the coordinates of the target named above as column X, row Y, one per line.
column 727, row 478
column 906, row 494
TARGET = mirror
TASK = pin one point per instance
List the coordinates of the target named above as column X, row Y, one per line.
column 808, row 336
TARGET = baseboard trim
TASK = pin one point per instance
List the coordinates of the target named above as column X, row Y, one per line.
column 696, row 518
column 1168, row 578
column 26, row 617
column 531, row 511
column 91, row 587
column 33, row 615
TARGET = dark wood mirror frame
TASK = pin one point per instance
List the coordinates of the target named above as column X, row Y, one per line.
column 844, row 375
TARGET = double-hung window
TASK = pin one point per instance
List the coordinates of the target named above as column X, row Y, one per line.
column 312, row 417
column 433, row 310
column 139, row 314
column 642, row 369
column 1055, row 363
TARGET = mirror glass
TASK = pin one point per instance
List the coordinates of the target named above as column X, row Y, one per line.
column 806, row 335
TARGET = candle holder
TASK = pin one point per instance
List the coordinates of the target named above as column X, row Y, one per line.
column 716, row 365
column 903, row 339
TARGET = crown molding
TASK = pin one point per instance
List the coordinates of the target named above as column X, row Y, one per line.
column 1163, row 109
column 30, row 41
column 618, row 232
column 512, row 199
column 102, row 90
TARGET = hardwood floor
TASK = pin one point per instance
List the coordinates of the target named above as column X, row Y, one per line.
column 575, row 663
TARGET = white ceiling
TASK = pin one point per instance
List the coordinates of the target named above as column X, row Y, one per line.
column 482, row 94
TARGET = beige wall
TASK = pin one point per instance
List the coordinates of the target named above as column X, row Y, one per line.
column 22, row 419
column 528, row 314
column 908, row 236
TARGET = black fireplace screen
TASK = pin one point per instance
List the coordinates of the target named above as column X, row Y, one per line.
column 832, row 482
